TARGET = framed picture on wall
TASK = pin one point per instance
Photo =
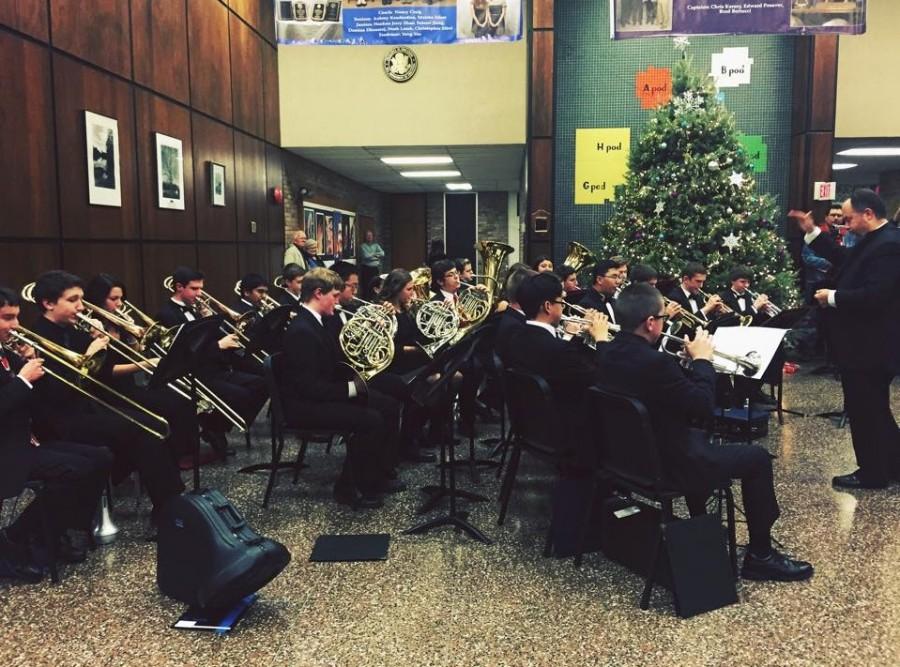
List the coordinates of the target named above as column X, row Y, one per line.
column 338, row 246
column 309, row 223
column 169, row 172
column 216, row 184
column 102, row 149
column 320, row 231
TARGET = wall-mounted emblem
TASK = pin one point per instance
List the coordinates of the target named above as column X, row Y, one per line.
column 400, row 64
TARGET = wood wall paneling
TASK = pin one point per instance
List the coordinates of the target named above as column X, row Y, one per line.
column 247, row 78
column 159, row 40
column 274, row 179
column 156, row 114
column 213, row 142
column 28, row 16
column 254, row 258
column 209, row 58
column 160, row 259
column 276, row 257
column 219, row 264
column 98, row 33
column 250, row 179
column 249, row 10
column 23, row 261
column 28, row 189
column 823, row 86
column 408, row 232
column 802, row 73
column 540, row 175
column 542, row 84
column 78, row 88
column 267, row 20
column 271, row 112
column 122, row 260
column 543, row 13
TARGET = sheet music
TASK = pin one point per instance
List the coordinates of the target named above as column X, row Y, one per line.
column 762, row 342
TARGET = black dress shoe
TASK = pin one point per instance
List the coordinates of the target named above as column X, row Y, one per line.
column 775, row 567
column 26, row 572
column 418, row 457
column 855, row 481
column 218, row 442
column 356, row 500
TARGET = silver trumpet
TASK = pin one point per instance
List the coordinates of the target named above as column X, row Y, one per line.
column 105, row 531
column 771, row 309
column 748, row 364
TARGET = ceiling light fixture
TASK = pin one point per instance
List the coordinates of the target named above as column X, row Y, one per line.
column 417, row 160
column 840, row 166
column 459, row 186
column 446, row 173
column 871, row 151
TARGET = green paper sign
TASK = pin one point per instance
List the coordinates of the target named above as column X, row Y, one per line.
column 757, row 151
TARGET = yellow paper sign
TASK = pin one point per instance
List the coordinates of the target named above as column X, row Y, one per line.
column 601, row 162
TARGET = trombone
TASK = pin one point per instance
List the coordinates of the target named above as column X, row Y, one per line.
column 83, row 366
column 748, row 363
column 266, row 305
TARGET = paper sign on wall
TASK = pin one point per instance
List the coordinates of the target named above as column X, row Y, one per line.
column 757, row 151
column 825, row 190
column 653, row 86
column 601, row 162
column 731, row 68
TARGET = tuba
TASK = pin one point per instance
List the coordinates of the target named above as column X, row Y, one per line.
column 579, row 257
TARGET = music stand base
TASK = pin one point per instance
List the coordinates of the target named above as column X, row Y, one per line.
column 438, row 493
column 457, row 521
column 267, row 467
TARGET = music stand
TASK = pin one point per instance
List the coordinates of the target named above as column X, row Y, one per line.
column 182, row 360
column 447, row 363
column 267, row 333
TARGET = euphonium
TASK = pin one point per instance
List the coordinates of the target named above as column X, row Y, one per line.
column 579, row 257
column 474, row 305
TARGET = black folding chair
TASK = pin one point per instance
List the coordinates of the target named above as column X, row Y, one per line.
column 279, row 428
column 629, row 458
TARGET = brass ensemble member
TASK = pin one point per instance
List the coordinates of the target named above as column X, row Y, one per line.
column 569, row 277
column 74, row 474
column 315, row 397
column 569, row 368
column 254, row 290
column 105, row 291
column 445, row 281
column 542, row 264
column 292, row 275
column 739, row 300
column 606, row 278
column 631, row 364
column 68, row 415
column 513, row 318
column 244, row 392
column 644, row 273
column 464, row 267
column 687, row 294
column 861, row 305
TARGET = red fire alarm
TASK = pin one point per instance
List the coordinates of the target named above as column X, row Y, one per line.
column 277, row 195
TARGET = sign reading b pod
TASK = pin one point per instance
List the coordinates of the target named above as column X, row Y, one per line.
column 601, row 163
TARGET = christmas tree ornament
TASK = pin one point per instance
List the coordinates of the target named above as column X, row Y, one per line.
column 731, row 242
column 736, row 179
column 713, row 165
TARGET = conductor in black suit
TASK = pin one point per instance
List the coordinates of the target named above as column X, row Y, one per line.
column 632, row 365
column 315, row 397
column 861, row 305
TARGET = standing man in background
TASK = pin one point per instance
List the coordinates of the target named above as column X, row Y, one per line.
column 371, row 254
column 294, row 252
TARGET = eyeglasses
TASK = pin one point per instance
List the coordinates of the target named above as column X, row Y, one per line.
column 561, row 302
column 660, row 317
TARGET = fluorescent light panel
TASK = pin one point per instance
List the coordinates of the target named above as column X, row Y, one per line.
column 445, row 173
column 871, row 151
column 459, row 186
column 840, row 166
column 418, row 160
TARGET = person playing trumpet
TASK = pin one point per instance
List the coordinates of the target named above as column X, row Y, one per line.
column 673, row 396
column 607, row 276
column 738, row 298
column 688, row 293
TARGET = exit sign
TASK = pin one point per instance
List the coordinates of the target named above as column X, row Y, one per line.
column 824, row 190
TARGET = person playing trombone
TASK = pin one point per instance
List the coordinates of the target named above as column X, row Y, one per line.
column 673, row 396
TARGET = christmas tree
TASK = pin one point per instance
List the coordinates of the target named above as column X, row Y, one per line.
column 690, row 196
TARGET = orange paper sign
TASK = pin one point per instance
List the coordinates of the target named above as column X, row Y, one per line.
column 653, row 86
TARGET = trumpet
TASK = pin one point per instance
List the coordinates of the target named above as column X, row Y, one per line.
column 81, row 365
column 744, row 320
column 770, row 308
column 748, row 364
column 207, row 401
column 687, row 317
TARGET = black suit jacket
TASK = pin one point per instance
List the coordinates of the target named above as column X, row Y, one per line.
column 672, row 396
column 311, row 358
column 16, row 453
column 733, row 301
column 215, row 360
column 286, row 299
column 677, row 295
column 171, row 314
column 863, row 329
column 510, row 321
column 598, row 301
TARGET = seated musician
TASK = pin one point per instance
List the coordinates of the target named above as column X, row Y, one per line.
column 542, row 264
column 513, row 318
column 464, row 267
column 292, row 275
column 606, row 278
column 445, row 281
column 569, row 277
column 315, row 397
column 623, row 268
column 69, row 415
column 105, row 291
column 347, row 300
column 644, row 273
column 631, row 364
column 254, row 289
column 739, row 300
column 688, row 296
column 74, row 474
column 244, row 392
column 569, row 368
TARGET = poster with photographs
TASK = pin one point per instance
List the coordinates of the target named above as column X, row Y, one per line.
column 320, row 230
column 309, row 222
column 170, row 172
column 333, row 229
column 328, row 248
column 102, row 150
column 216, row 184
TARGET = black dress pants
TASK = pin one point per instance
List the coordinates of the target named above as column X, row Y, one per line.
column 752, row 465
column 413, row 416
column 74, row 476
column 876, row 439
column 245, row 393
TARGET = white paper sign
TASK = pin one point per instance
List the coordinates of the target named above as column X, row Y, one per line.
column 731, row 68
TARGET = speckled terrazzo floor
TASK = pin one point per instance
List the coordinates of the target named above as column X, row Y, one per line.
column 442, row 599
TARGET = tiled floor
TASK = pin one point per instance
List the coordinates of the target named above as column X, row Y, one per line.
column 441, row 599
